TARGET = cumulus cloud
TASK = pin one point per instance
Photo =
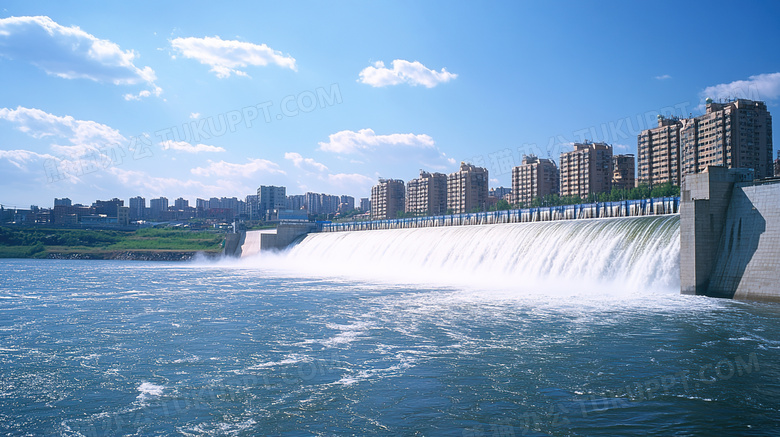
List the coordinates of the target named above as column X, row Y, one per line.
column 413, row 73
column 183, row 146
column 83, row 135
column 225, row 57
column 347, row 141
column 301, row 162
column 760, row 87
column 194, row 115
column 353, row 181
column 229, row 169
column 71, row 53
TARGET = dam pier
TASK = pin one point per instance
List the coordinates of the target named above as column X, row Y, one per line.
column 730, row 235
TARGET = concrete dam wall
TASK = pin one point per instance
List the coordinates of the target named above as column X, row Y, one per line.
column 251, row 243
column 730, row 227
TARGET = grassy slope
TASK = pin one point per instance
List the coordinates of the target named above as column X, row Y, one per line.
column 37, row 243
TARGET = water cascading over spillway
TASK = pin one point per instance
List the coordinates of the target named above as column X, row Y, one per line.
column 631, row 253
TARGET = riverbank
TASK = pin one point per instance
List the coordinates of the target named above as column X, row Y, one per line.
column 130, row 255
column 151, row 244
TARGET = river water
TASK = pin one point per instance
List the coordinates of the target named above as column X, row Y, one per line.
column 320, row 341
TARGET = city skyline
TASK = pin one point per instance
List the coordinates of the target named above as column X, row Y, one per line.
column 170, row 105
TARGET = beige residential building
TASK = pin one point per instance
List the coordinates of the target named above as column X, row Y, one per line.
column 534, row 178
column 623, row 172
column 387, row 199
column 734, row 134
column 467, row 189
column 427, row 195
column 659, row 153
column 586, row 169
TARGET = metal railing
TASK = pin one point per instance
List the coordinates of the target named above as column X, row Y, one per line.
column 623, row 208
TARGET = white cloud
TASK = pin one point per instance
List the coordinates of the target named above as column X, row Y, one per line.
column 83, row 135
column 195, row 115
column 348, row 141
column 184, row 146
column 351, row 181
column 20, row 158
column 413, row 73
column 299, row 161
column 143, row 94
column 226, row 56
column 228, row 169
column 663, row 77
column 71, row 53
column 760, row 87
column 153, row 186
column 40, row 167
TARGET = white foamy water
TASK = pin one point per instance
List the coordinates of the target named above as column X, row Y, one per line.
column 629, row 254
column 148, row 389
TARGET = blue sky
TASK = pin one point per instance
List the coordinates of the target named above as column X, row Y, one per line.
column 204, row 99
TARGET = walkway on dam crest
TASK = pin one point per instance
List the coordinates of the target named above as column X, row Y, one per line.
column 625, row 208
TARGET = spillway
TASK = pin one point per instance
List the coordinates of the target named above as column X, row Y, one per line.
column 634, row 253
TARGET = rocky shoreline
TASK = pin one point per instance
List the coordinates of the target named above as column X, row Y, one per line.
column 136, row 255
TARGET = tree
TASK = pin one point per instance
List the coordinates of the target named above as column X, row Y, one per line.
column 503, row 205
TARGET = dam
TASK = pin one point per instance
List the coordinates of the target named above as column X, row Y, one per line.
column 630, row 253
column 720, row 239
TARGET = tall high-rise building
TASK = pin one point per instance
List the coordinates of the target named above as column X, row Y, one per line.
column 181, row 204
column 659, row 153
column 534, row 178
column 467, row 189
column 387, row 199
column 312, row 202
column 107, row 207
column 365, row 204
column 158, row 206
column 62, row 202
column 271, row 198
column 201, row 204
column 346, row 203
column 231, row 203
column 295, row 202
column 428, row 194
column 586, row 169
column 318, row 203
column 733, row 134
column 329, row 203
column 623, row 172
column 251, row 207
column 137, row 207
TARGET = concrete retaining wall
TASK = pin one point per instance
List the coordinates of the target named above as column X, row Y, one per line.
column 748, row 261
column 730, row 236
column 285, row 235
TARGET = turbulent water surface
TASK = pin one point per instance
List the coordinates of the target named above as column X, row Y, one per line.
column 569, row 328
